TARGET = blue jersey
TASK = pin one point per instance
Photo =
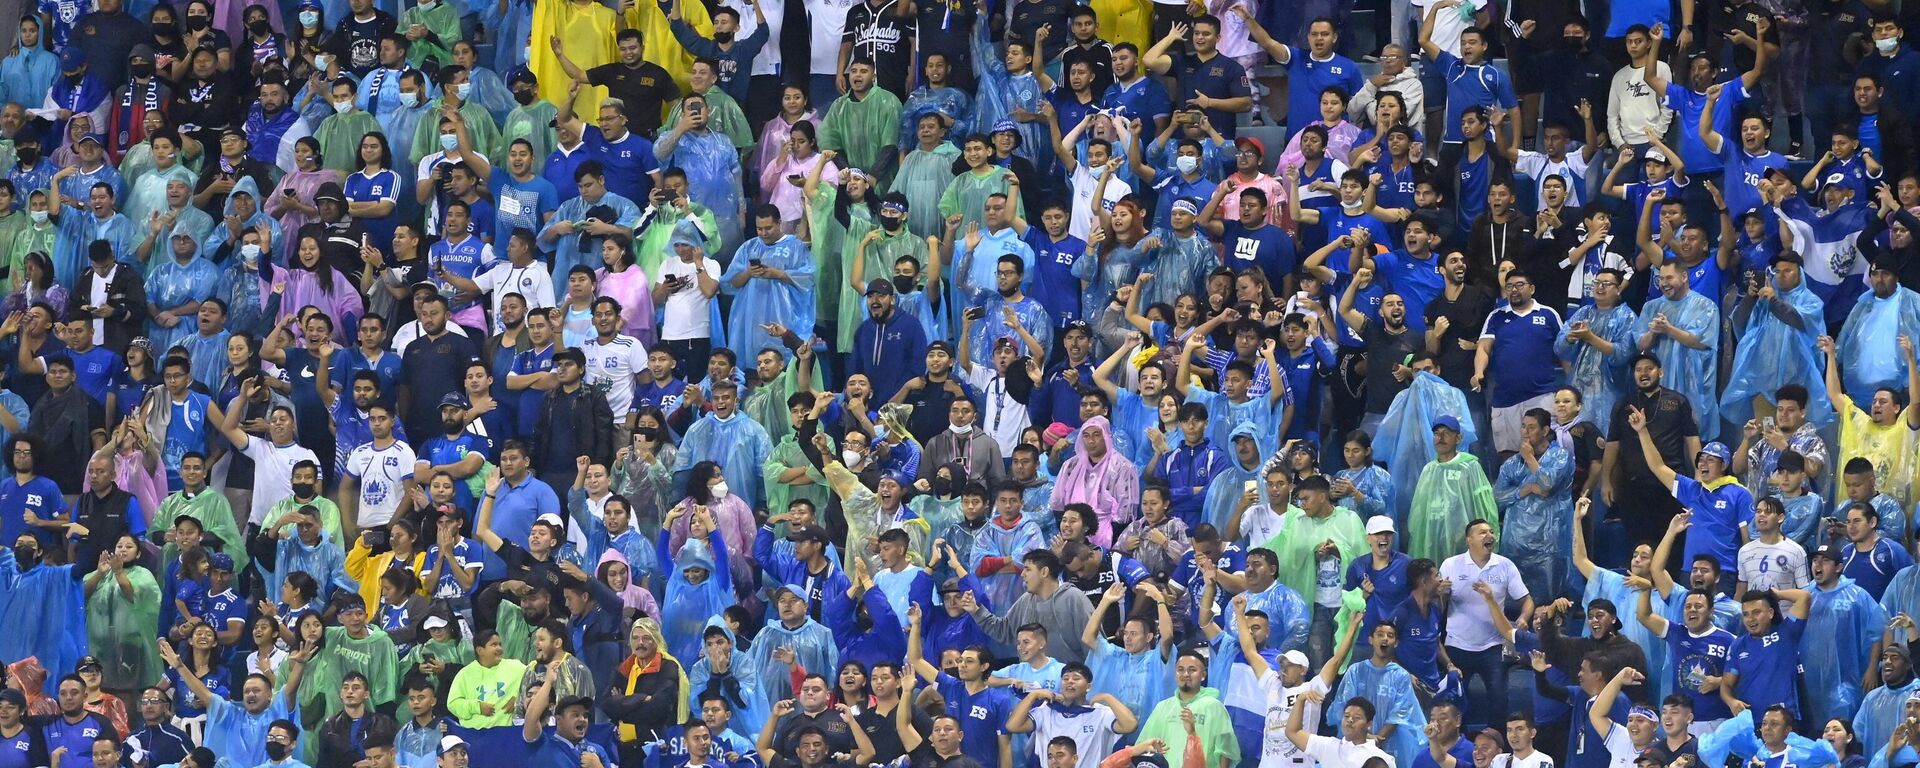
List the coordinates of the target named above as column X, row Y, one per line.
column 1469, row 85
column 665, row 396
column 1416, row 280
column 77, row 738
column 348, row 363
column 1520, row 342
column 94, row 370
column 223, row 609
column 1718, row 515
column 22, row 750
column 1696, row 658
column 528, row 400
column 1146, row 99
column 1769, row 666
column 442, row 450
column 1743, row 174
column 187, row 431
column 983, row 717
column 627, row 161
column 39, row 495
column 1336, row 222
column 1307, row 77
column 1687, row 105
column 1390, row 587
column 363, row 188
column 1054, row 285
column 1420, row 640
column 1268, row 248
column 1874, row 570
column 521, row 204
column 1476, row 176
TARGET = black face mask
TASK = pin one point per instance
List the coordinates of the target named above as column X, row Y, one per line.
column 723, row 37
column 304, row 490
column 198, row 23
column 903, row 284
column 27, row 155
column 165, row 29
column 276, row 751
column 142, row 70
column 892, row 223
column 26, row 556
column 259, row 27
column 1576, row 43
column 525, row 97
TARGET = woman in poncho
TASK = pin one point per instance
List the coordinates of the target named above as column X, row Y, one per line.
column 615, row 572
column 871, row 255
column 838, row 219
column 794, row 109
column 699, row 589
column 310, row 280
column 290, row 198
column 445, row 650
column 625, row 282
column 27, row 75
column 123, row 617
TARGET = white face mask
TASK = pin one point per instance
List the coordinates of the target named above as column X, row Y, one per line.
column 312, row 19
column 409, row 98
column 960, row 429
column 1887, row 45
column 463, row 90
column 850, row 457
column 250, row 253
column 343, row 107
column 37, row 217
column 1187, row 164
column 320, row 60
column 719, row 491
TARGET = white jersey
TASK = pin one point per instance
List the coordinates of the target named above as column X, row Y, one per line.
column 273, row 473
column 610, row 369
column 1536, row 760
column 1004, row 417
column 1090, row 729
column 532, row 282
column 1774, row 566
column 382, row 473
column 1620, row 747
column 1276, row 750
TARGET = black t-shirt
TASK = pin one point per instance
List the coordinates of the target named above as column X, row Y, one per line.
column 537, row 573
column 885, row 737
column 839, row 736
column 1465, row 315
column 1731, row 15
column 1098, row 56
column 357, row 42
column 644, row 89
column 925, row 757
column 1384, row 351
column 1669, row 421
column 1027, row 16
column 881, row 37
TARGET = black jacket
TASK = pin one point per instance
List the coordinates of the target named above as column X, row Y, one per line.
column 126, row 297
column 591, row 427
column 653, row 705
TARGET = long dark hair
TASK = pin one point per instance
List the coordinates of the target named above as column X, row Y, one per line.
column 386, row 152
column 322, row 271
column 698, row 479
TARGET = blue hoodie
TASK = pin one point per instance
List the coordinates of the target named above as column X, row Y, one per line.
column 890, row 353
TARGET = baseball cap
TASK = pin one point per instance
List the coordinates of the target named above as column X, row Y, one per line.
column 1248, row 141
column 16, row 698
column 71, row 59
column 1788, row 256
column 220, row 561
column 86, row 137
column 942, row 346
column 1830, row 552
column 1447, row 422
column 1295, row 658
column 797, row 590
column 450, row 742
column 1379, row 524
column 1655, row 156
column 522, row 74
column 1717, row 450
column 810, row 533
column 551, row 519
column 87, row 661
column 880, row 286
column 1832, row 179
column 1004, row 341
column 453, row 400
column 1077, row 325
column 434, row 622
column 570, row 701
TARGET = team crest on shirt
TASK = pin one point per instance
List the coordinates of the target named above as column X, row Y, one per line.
column 375, row 492
column 1780, row 560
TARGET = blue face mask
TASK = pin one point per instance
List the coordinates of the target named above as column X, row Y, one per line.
column 462, row 90
column 309, row 18
column 449, row 142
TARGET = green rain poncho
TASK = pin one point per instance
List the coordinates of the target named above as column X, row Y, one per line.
column 865, row 518
column 216, row 521
column 11, row 225
column 968, row 194
column 652, row 248
column 864, row 132
column 881, row 254
column 833, row 242
column 531, row 123
column 1449, row 494
column 339, row 136
column 442, row 20
column 372, row 656
column 481, row 130
column 923, row 178
column 768, row 402
column 454, row 652
column 29, row 239
column 787, row 455
column 315, row 698
column 724, row 116
column 121, row 628
column 1210, row 722
column 1298, row 542
column 516, row 635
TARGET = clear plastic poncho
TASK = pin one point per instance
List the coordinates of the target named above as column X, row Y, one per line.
column 1869, row 342
column 1404, row 441
column 1845, row 623
column 1538, row 536
column 1691, row 372
column 1600, row 378
column 1771, row 354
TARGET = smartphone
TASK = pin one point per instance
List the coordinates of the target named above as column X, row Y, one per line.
column 975, row 313
column 1248, row 486
column 753, row 262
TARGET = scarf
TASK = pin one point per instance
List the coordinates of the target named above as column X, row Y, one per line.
column 632, row 669
column 1563, row 435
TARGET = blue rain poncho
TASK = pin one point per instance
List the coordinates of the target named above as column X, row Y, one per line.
column 992, row 326
column 1869, row 342
column 1103, row 274
column 491, row 93
column 1390, row 688
column 27, row 76
column 713, row 180
column 323, row 561
column 689, row 606
column 813, row 648
column 1224, row 417
column 1880, row 711
column 1375, row 483
column 1539, row 529
column 43, row 607
column 1845, row 622
column 1287, row 614
column 1139, row 680
column 1007, row 545
column 78, row 229
column 149, row 196
column 952, row 103
column 1735, row 737
column 1691, row 372
column 1223, row 491
column 737, row 443
column 1405, row 439
column 171, row 284
column 1803, row 519
column 740, row 685
column 1000, row 92
column 1180, row 265
column 580, row 248
column 1771, row 354
column 1903, row 593
column 220, row 235
column 762, row 300
column 1600, row 378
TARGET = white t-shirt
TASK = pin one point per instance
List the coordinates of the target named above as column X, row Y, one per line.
column 1774, row 566
column 829, row 19
column 1259, row 524
column 686, row 311
column 1276, row 750
column 1469, row 624
column 1080, row 217
column 273, row 473
column 1538, row 759
column 1340, row 753
column 1004, row 417
column 610, row 369
column 1448, row 25
column 532, row 282
column 1091, row 731
column 1620, row 747
column 383, row 473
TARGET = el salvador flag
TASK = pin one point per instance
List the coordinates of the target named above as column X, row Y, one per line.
column 1834, row 268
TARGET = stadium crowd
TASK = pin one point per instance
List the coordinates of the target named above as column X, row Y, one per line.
column 955, row 384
